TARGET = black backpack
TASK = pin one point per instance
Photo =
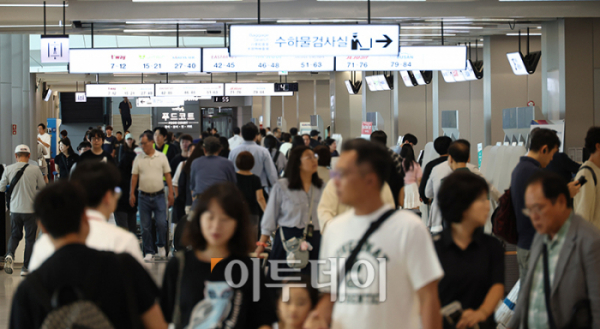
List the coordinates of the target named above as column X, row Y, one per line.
column 593, row 173
column 13, row 183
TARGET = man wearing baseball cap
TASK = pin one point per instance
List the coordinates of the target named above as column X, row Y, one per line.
column 314, row 139
column 26, row 180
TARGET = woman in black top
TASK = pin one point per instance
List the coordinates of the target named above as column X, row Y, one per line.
column 218, row 229
column 125, row 215
column 473, row 262
column 251, row 187
column 66, row 158
column 224, row 147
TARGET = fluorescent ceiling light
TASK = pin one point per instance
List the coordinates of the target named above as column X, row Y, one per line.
column 439, row 27
column 414, row 40
column 163, row 31
column 29, row 26
column 170, row 22
column 466, row 19
column 522, row 34
column 30, row 5
column 427, row 35
column 183, row 0
column 306, row 21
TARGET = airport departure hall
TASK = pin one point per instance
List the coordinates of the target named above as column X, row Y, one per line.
column 300, row 164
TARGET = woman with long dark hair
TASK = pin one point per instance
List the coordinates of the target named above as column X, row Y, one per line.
column 292, row 209
column 196, row 291
column 66, row 158
column 409, row 196
column 278, row 158
column 125, row 215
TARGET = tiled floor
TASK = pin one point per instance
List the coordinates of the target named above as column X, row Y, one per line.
column 10, row 283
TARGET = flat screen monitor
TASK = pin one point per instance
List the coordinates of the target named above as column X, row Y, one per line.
column 448, row 77
column 406, row 78
column 516, row 63
column 419, row 77
column 383, row 84
column 468, row 73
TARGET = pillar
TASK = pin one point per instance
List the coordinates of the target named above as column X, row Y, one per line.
column 267, row 111
column 17, row 89
column 6, row 151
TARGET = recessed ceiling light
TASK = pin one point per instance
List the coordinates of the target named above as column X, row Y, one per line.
column 163, row 31
column 171, row 22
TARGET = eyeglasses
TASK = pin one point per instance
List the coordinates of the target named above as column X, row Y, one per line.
column 537, row 209
column 313, row 157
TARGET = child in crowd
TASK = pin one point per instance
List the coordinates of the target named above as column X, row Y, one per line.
column 251, row 187
column 195, row 286
column 293, row 309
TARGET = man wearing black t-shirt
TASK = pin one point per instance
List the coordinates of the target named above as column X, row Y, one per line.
column 96, row 153
column 125, row 110
column 117, row 284
column 110, row 142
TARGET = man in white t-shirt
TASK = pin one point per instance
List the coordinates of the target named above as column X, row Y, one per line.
column 399, row 257
column 44, row 139
column 100, row 182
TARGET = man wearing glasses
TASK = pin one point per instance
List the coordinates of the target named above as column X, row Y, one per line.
column 562, row 286
column 97, row 153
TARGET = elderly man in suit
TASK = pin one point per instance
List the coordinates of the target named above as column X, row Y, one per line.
column 563, row 281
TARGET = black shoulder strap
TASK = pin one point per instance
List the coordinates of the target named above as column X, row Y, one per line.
column 593, row 173
column 16, row 179
column 129, row 293
column 276, row 157
column 374, row 226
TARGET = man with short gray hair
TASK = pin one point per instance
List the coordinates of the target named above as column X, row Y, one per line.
column 210, row 169
column 26, row 181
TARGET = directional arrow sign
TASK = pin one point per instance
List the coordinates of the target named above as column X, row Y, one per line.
column 387, row 41
column 314, row 40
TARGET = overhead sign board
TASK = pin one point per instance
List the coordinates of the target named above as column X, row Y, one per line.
column 178, row 119
column 165, row 101
column 54, row 49
column 313, row 40
column 119, row 90
column 189, row 89
column 432, row 58
column 253, row 89
column 218, row 60
column 135, row 60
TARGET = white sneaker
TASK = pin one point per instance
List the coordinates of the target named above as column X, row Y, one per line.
column 162, row 253
column 8, row 264
column 148, row 258
column 24, row 271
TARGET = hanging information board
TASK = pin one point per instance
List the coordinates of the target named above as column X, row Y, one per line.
column 54, row 49
column 184, row 119
column 313, row 40
column 218, row 60
column 189, row 89
column 135, row 60
column 254, row 89
column 432, row 58
column 119, row 90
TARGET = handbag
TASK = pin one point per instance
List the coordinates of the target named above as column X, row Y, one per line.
column 295, row 256
column 12, row 185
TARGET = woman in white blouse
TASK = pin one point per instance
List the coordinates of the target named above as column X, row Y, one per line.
column 292, row 208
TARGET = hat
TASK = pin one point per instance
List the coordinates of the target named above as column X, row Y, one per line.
column 314, row 133
column 22, row 149
column 128, row 136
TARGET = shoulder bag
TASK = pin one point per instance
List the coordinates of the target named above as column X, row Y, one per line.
column 13, row 183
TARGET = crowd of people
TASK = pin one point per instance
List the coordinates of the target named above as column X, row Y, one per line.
column 345, row 244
